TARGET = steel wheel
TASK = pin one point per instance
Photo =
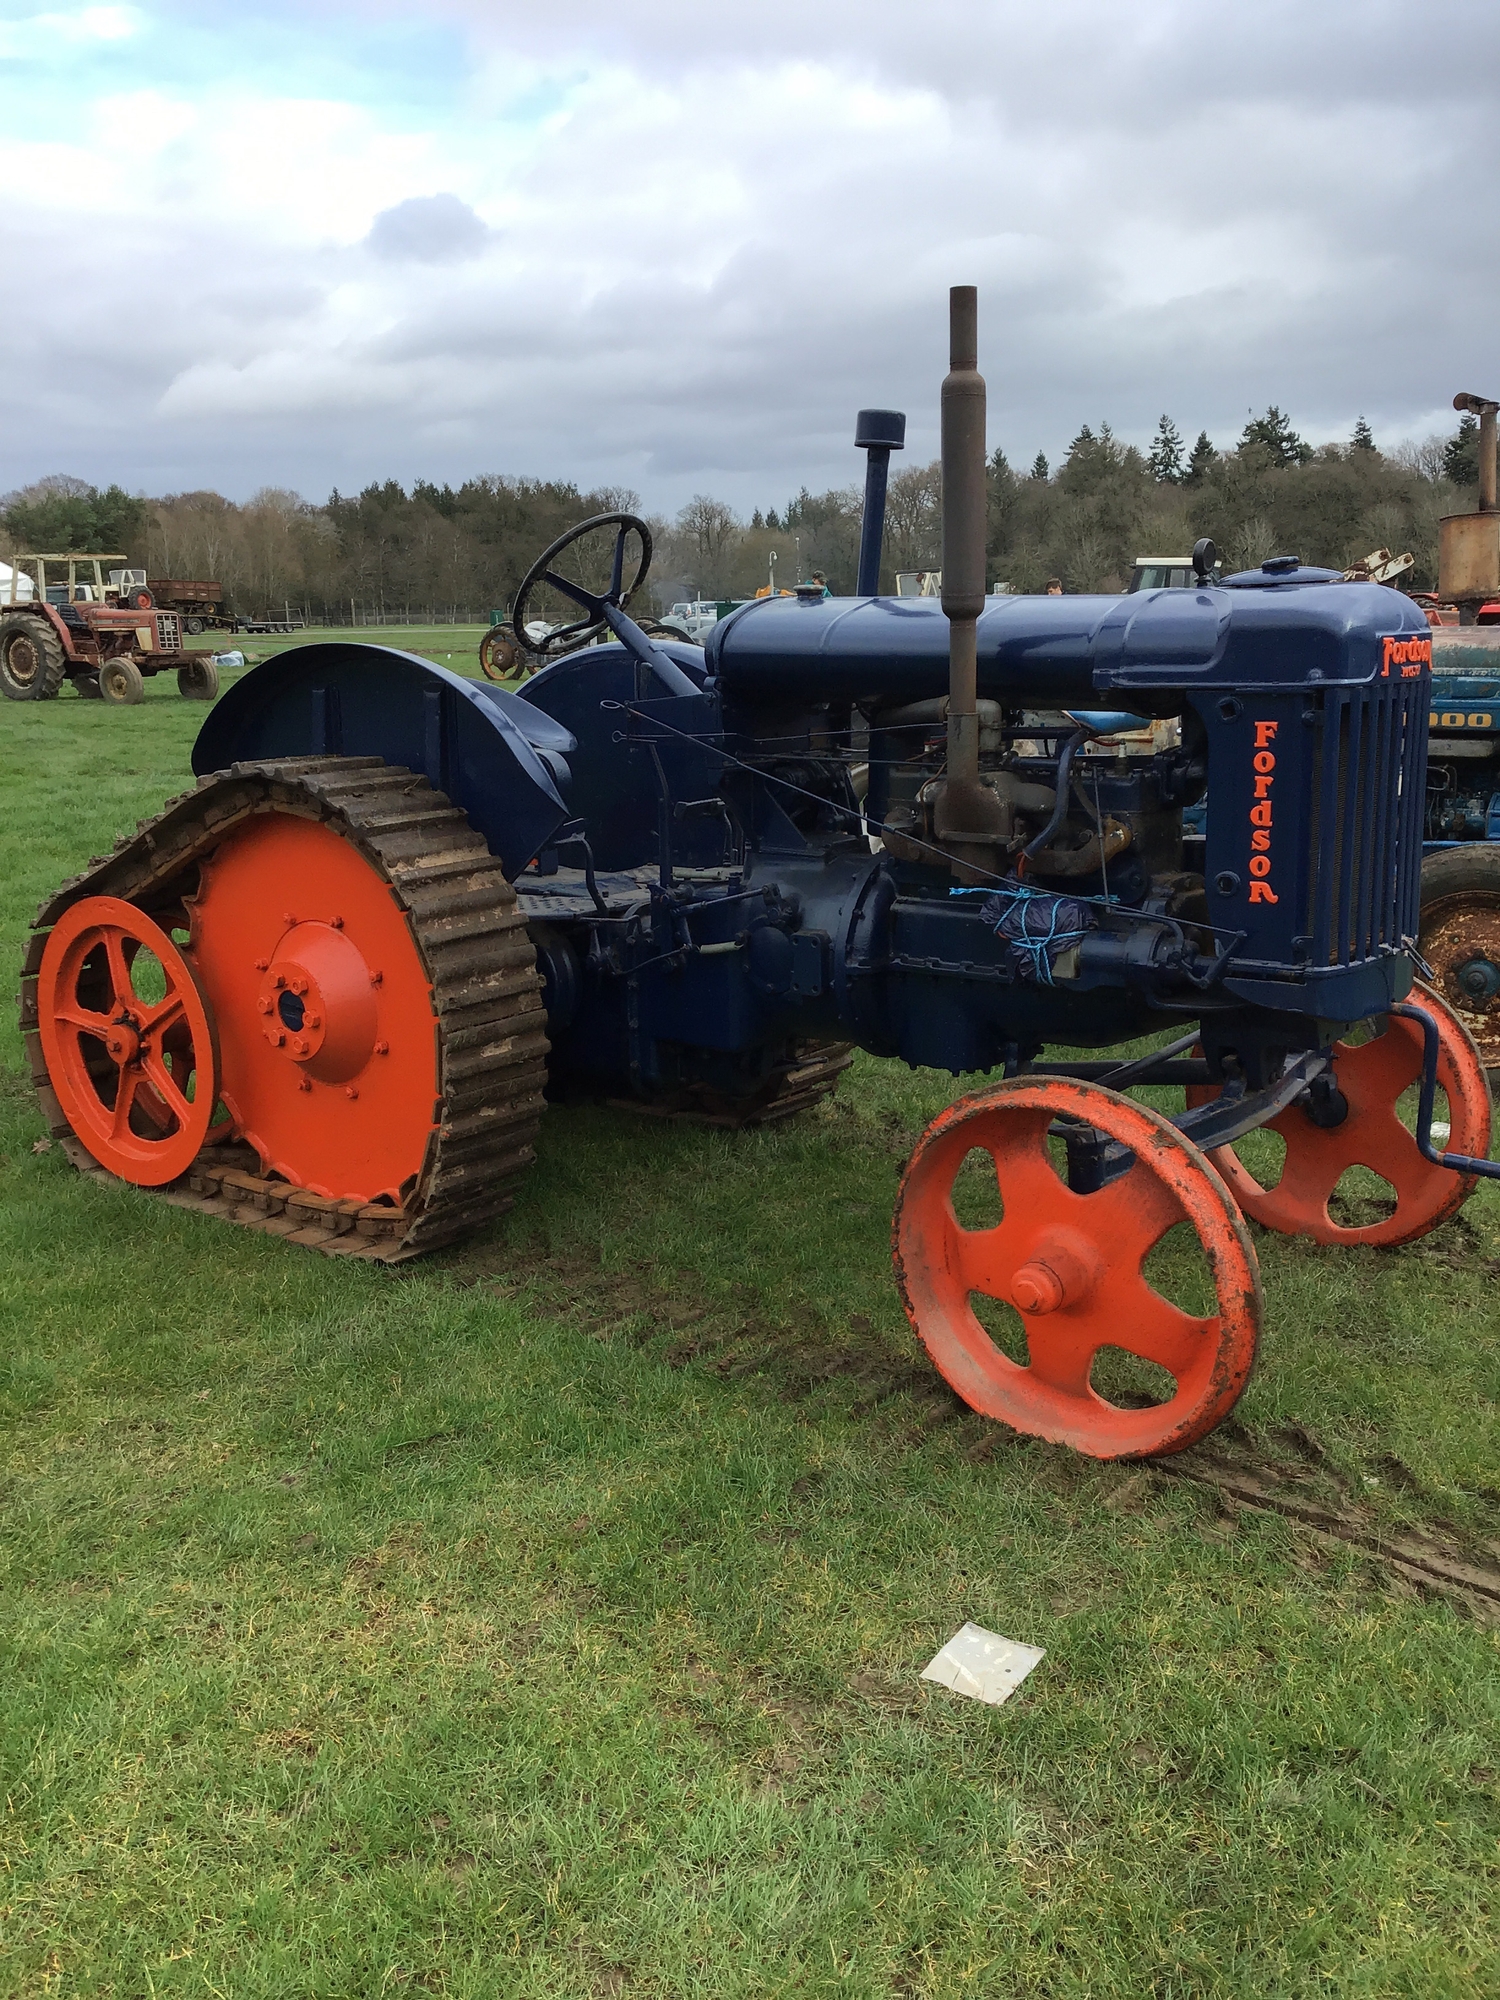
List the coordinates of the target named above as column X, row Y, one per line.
column 1071, row 1267
column 327, row 1026
column 1460, row 940
column 135, row 1075
column 121, row 682
column 501, row 657
column 1372, row 1076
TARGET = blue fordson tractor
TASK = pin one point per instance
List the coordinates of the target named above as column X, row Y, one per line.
column 402, row 909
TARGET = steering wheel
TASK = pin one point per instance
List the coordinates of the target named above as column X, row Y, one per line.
column 544, row 572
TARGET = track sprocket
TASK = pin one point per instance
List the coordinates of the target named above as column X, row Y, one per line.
column 341, row 1143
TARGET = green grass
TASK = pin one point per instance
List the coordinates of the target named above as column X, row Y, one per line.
column 545, row 1619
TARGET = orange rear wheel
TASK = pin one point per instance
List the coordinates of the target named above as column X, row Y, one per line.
column 1071, row 1267
column 1372, row 1077
column 128, row 1041
column 328, row 1031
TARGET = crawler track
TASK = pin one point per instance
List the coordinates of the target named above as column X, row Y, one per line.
column 471, row 939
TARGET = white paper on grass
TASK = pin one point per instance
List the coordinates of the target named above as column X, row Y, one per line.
column 982, row 1665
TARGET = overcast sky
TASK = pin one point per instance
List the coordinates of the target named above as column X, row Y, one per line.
column 675, row 245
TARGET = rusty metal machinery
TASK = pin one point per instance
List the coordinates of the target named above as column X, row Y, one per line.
column 688, row 880
column 101, row 630
column 1469, row 544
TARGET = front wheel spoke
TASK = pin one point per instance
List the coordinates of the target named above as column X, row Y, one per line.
column 1144, row 1323
column 1062, row 1347
column 1380, row 1070
column 1312, row 1169
column 984, row 1259
column 1130, row 1216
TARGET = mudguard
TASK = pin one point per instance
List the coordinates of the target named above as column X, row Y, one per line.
column 503, row 761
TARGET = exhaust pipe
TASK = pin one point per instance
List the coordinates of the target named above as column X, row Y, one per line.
column 969, row 815
column 1484, row 409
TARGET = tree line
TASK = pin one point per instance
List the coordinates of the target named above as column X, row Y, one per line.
column 443, row 551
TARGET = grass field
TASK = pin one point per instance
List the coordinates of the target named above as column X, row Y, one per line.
column 455, row 646
column 545, row 1619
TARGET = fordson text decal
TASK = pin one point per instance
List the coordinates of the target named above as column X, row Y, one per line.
column 1406, row 652
column 1261, row 821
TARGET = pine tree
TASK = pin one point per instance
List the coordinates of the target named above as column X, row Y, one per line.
column 1082, row 442
column 1200, row 458
column 1165, row 457
column 1363, row 438
column 757, row 519
column 1274, row 433
column 1461, row 453
column 1039, row 467
column 771, row 521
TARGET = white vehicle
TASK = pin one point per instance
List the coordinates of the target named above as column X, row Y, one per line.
column 1161, row 573
column 695, row 619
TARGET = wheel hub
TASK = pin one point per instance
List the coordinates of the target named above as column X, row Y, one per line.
column 124, row 1041
column 1478, row 980
column 318, row 999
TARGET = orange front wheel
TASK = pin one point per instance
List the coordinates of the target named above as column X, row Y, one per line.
column 129, row 1046
column 1301, row 1196
column 1060, row 1277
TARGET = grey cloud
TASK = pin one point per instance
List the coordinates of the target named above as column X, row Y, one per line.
column 1161, row 215
column 428, row 229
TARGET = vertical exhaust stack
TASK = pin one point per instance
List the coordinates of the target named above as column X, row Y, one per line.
column 970, row 821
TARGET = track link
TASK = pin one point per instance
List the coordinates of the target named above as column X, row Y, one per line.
column 471, row 938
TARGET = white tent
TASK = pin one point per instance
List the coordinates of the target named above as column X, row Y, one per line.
column 16, row 587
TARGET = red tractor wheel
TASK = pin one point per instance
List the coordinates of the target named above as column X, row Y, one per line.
column 1071, row 1268
column 328, row 1030
column 1373, row 1077
column 33, row 665
column 134, row 1069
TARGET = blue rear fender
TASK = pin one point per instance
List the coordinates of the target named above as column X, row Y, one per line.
column 502, row 760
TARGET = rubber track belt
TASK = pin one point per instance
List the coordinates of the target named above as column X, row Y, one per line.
column 471, row 937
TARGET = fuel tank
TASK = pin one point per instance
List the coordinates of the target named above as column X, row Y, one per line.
column 1062, row 651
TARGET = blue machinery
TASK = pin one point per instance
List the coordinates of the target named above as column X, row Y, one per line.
column 952, row 834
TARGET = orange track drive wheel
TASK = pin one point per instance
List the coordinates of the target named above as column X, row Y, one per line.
column 1373, row 1076
column 1071, row 1266
column 128, row 1041
column 327, row 1027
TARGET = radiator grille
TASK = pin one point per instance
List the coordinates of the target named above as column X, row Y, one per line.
column 1368, row 799
column 168, row 632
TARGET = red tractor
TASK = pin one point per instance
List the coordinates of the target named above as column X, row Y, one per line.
column 64, row 617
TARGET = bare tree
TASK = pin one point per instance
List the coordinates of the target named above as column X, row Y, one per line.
column 710, row 533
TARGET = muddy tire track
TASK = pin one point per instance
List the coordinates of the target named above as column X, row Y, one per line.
column 1284, row 1471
